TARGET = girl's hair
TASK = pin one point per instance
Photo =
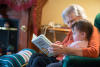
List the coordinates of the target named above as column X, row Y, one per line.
column 84, row 26
column 77, row 9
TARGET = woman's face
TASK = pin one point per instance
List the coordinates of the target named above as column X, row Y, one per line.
column 71, row 18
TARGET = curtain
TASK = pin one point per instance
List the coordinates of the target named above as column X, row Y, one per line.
column 18, row 5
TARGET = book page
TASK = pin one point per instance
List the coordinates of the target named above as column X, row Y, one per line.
column 42, row 43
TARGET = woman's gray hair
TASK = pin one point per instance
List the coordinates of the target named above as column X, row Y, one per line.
column 77, row 9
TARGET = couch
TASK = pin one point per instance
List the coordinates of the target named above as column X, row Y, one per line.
column 77, row 61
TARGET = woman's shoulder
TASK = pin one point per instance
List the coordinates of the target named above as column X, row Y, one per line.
column 95, row 35
column 95, row 31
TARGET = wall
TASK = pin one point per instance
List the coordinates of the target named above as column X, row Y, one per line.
column 53, row 9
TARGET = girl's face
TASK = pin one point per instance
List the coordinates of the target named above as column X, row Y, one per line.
column 78, row 36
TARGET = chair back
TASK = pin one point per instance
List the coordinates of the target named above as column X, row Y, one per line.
column 97, row 21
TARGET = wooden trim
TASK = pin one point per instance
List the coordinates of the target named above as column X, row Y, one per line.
column 38, row 9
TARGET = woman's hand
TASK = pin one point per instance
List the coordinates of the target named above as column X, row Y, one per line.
column 58, row 49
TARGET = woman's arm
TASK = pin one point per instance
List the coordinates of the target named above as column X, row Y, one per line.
column 60, row 49
column 93, row 48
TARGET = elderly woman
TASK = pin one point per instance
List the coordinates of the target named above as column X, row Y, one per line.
column 70, row 15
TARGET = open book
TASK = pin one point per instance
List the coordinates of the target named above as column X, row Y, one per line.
column 42, row 43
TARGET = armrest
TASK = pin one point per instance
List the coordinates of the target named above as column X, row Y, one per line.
column 77, row 61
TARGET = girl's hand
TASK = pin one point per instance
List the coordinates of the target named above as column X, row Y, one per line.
column 57, row 42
